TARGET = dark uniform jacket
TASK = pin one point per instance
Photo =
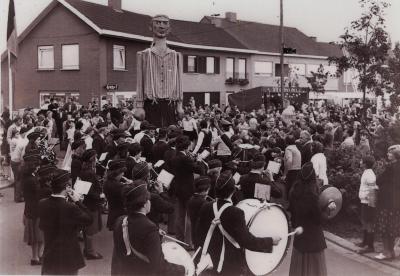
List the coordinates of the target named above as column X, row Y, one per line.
column 144, row 238
column 61, row 221
column 113, row 193
column 30, row 186
column 130, row 163
column 183, row 168
column 233, row 221
column 306, row 152
column 99, row 144
column 92, row 200
column 305, row 212
column 147, row 145
column 76, row 166
column 248, row 182
column 159, row 149
column 194, row 206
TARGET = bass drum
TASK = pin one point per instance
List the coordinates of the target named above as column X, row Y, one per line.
column 265, row 220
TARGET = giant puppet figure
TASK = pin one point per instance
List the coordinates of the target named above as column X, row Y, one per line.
column 159, row 78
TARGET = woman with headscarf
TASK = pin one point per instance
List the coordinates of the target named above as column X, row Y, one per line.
column 308, row 256
column 93, row 201
column 388, row 205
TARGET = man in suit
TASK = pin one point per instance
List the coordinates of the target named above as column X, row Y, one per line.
column 137, row 243
column 70, row 106
column 183, row 167
column 61, row 221
column 248, row 181
column 161, row 146
column 235, row 233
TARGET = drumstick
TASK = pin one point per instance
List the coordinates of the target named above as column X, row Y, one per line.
column 195, row 253
column 162, row 233
column 298, row 231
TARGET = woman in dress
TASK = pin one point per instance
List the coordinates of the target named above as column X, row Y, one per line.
column 70, row 130
column 33, row 236
column 388, row 205
column 308, row 258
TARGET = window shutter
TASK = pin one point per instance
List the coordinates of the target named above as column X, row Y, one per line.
column 216, row 65
column 201, row 65
column 185, row 63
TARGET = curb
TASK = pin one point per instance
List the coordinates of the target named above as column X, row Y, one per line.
column 351, row 247
column 2, row 187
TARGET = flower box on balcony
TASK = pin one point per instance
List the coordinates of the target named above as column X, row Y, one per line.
column 229, row 81
column 243, row 82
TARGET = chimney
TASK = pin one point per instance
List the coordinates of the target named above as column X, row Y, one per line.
column 314, row 38
column 115, row 4
column 231, row 17
column 217, row 22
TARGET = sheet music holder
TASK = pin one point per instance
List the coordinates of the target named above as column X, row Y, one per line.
column 103, row 156
column 165, row 178
column 82, row 187
column 274, row 167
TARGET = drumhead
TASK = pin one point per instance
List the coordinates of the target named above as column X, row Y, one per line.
column 176, row 254
column 330, row 193
column 246, row 146
column 268, row 222
column 250, row 207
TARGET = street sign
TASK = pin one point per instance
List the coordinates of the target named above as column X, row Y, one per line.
column 111, row 87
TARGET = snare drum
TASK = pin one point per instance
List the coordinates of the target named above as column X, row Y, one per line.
column 176, row 254
column 265, row 220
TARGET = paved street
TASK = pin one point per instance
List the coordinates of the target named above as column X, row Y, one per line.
column 15, row 254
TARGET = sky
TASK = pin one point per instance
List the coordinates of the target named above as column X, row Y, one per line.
column 324, row 19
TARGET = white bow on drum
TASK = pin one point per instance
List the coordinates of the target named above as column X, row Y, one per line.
column 266, row 220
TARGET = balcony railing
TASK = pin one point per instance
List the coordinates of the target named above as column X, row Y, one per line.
column 237, row 78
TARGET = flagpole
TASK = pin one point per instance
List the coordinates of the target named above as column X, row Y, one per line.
column 10, row 85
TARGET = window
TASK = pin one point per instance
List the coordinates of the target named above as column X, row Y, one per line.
column 299, row 69
column 263, row 68
column 70, row 57
column 312, row 68
column 60, row 96
column 210, row 65
column 230, row 65
column 119, row 57
column 332, row 70
column 278, row 70
column 46, row 57
column 191, row 64
column 242, row 68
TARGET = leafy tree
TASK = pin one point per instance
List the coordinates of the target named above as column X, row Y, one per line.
column 318, row 80
column 366, row 44
column 394, row 77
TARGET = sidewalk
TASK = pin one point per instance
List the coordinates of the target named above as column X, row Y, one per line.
column 391, row 266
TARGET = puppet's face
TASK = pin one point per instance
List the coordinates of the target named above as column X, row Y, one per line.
column 160, row 27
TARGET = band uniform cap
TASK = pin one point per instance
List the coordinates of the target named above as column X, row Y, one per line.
column 135, row 193
column 88, row 154
column 140, row 170
column 101, row 125
column 60, row 179
column 215, row 163
column 119, row 164
column 202, row 183
column 225, row 179
column 46, row 170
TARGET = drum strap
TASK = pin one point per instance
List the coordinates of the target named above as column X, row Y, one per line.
column 128, row 245
column 217, row 222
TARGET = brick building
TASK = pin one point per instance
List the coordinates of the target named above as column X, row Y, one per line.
column 86, row 50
